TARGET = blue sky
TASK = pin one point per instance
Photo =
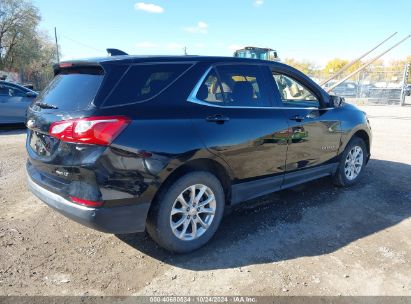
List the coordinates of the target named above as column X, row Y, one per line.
column 312, row 30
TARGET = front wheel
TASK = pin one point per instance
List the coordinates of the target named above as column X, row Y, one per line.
column 352, row 163
column 187, row 213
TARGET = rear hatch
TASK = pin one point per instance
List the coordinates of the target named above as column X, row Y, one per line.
column 70, row 95
column 64, row 166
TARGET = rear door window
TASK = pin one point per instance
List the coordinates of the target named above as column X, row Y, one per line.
column 211, row 90
column 235, row 85
column 144, row 81
column 72, row 89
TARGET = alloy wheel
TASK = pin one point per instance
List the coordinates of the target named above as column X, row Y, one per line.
column 193, row 212
column 353, row 163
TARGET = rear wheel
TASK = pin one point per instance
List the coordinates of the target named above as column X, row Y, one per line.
column 352, row 163
column 187, row 213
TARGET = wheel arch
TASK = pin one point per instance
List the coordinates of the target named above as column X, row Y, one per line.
column 212, row 166
column 365, row 137
column 360, row 133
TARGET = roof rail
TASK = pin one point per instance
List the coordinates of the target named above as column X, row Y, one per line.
column 115, row 52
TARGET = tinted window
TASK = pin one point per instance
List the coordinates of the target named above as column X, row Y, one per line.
column 210, row 90
column 4, row 90
column 8, row 90
column 142, row 82
column 235, row 85
column 293, row 93
column 72, row 90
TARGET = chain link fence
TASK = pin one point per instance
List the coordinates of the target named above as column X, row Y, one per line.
column 373, row 85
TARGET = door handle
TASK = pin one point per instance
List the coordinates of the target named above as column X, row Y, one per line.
column 297, row 118
column 219, row 119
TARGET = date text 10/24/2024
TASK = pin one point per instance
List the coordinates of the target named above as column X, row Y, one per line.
column 203, row 299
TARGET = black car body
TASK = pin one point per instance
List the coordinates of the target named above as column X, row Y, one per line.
column 251, row 126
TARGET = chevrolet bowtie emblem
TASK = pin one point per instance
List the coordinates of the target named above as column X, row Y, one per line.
column 30, row 123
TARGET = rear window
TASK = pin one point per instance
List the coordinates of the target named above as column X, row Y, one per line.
column 144, row 81
column 72, row 89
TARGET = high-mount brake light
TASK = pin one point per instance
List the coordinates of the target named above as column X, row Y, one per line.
column 97, row 130
column 65, row 65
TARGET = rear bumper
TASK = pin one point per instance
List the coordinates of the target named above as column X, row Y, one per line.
column 117, row 220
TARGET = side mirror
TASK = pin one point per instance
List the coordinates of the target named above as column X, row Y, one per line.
column 31, row 94
column 336, row 101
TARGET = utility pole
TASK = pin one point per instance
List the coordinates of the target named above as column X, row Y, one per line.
column 185, row 51
column 57, row 45
column 405, row 83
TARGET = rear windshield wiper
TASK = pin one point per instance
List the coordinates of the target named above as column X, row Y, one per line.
column 44, row 105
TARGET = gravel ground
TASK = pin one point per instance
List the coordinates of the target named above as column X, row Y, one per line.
column 314, row 239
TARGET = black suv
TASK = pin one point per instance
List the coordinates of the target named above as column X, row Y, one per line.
column 125, row 143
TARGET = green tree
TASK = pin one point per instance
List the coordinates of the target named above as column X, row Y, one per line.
column 334, row 65
column 304, row 66
column 23, row 48
column 40, row 71
column 397, row 67
column 18, row 22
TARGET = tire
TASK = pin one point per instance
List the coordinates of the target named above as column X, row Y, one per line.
column 347, row 172
column 197, row 224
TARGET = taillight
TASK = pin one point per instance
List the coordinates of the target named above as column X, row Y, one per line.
column 86, row 202
column 98, row 130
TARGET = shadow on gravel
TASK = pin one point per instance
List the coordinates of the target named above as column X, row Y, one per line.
column 309, row 220
column 12, row 129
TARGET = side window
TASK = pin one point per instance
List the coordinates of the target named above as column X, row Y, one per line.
column 211, row 90
column 11, row 91
column 294, row 93
column 4, row 90
column 144, row 81
column 235, row 85
column 17, row 92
